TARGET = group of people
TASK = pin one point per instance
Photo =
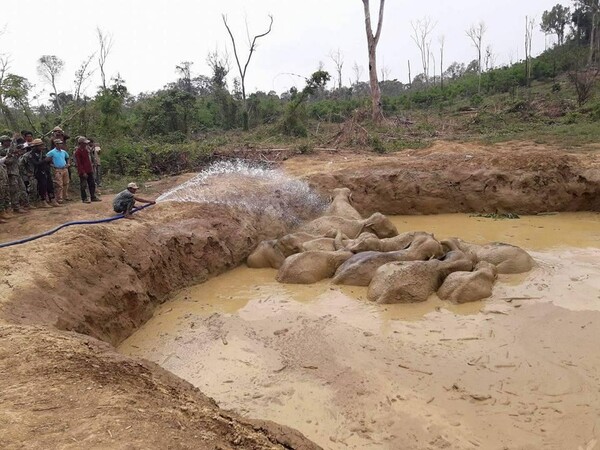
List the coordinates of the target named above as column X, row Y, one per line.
column 31, row 176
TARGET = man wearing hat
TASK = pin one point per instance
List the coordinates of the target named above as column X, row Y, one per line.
column 125, row 201
column 4, row 196
column 85, row 170
column 59, row 161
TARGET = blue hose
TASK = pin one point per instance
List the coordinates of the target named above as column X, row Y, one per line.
column 68, row 224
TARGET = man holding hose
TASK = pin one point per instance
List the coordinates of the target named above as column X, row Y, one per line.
column 125, row 201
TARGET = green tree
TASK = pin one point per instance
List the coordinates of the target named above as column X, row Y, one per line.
column 555, row 21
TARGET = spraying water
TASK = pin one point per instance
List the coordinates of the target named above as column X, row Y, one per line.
column 240, row 184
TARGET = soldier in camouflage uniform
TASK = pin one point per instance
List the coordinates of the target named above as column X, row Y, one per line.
column 16, row 187
column 26, row 169
column 4, row 197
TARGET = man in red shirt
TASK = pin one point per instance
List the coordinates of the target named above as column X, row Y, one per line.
column 85, row 170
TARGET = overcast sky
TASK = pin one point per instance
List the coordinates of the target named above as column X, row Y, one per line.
column 151, row 37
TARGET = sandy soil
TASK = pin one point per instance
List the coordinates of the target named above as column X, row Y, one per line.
column 107, row 280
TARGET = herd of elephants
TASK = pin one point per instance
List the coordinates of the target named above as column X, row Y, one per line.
column 397, row 268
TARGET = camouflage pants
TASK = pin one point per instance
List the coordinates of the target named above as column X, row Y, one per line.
column 4, row 195
column 18, row 193
column 32, row 189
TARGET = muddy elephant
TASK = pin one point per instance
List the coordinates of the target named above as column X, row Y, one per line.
column 414, row 281
column 370, row 242
column 267, row 254
column 360, row 268
column 341, row 205
column 507, row 258
column 463, row 287
column 310, row 267
column 376, row 223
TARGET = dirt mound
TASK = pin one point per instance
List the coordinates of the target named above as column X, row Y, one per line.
column 72, row 391
column 449, row 177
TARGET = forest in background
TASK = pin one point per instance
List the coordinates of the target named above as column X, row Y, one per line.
column 548, row 98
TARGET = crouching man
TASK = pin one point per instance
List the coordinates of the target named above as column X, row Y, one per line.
column 125, row 201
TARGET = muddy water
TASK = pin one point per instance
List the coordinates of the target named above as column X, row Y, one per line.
column 351, row 374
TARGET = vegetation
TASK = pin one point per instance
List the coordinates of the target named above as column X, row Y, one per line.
column 552, row 98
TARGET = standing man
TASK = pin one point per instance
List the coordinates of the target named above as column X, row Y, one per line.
column 26, row 170
column 96, row 164
column 4, row 196
column 16, row 187
column 125, row 201
column 59, row 161
column 42, row 173
column 85, row 170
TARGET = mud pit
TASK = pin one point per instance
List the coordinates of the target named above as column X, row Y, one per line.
column 351, row 374
column 63, row 388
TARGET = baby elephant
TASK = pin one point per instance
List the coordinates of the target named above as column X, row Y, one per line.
column 267, row 254
column 415, row 281
column 370, row 242
column 507, row 258
column 310, row 267
column 463, row 287
column 341, row 205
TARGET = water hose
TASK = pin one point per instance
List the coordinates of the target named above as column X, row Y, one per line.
column 69, row 224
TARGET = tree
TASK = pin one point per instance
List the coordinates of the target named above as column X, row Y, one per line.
column 81, row 76
column 422, row 29
column 584, row 82
column 243, row 71
column 49, row 68
column 442, row 41
column 105, row 43
column 529, row 25
column 358, row 71
column 475, row 33
column 338, row 61
column 293, row 123
column 455, row 71
column 372, row 41
column 555, row 21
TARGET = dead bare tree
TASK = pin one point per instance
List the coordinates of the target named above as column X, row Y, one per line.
column 442, row 41
column 243, row 71
column 81, row 76
column 490, row 58
column 529, row 24
column 475, row 33
column 584, row 82
column 49, row 68
column 422, row 30
column 105, row 41
column 338, row 61
column 372, row 41
column 358, row 71
column 385, row 72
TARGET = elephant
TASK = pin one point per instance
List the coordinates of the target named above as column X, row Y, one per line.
column 310, row 267
column 463, row 287
column 341, row 205
column 294, row 242
column 360, row 268
column 267, row 254
column 370, row 242
column 376, row 223
column 507, row 258
column 414, row 281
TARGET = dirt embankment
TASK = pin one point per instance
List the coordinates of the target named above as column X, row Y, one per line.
column 450, row 177
column 68, row 390
column 106, row 280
